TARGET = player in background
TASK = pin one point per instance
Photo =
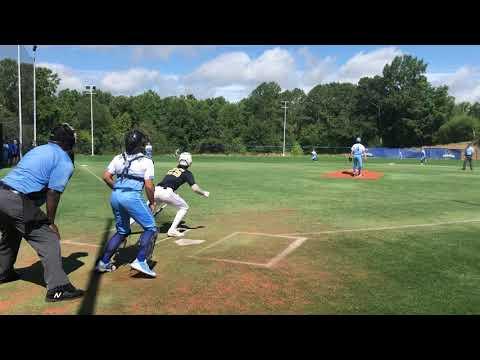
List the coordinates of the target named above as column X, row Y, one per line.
column 134, row 172
column 314, row 155
column 423, row 158
column 358, row 151
column 149, row 150
column 469, row 150
column 165, row 190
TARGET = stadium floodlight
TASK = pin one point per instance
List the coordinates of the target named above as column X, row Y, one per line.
column 34, row 98
column 284, row 124
column 90, row 89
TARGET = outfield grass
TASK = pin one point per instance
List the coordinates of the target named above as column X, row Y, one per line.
column 410, row 270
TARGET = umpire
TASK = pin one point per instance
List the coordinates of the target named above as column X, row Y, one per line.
column 469, row 150
column 40, row 177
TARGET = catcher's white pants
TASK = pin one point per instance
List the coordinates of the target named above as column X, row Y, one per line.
column 168, row 196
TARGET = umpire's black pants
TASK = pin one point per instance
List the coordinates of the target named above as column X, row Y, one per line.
column 45, row 242
column 469, row 160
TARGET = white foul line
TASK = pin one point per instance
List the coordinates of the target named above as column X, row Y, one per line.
column 70, row 242
column 79, row 243
column 384, row 228
column 91, row 172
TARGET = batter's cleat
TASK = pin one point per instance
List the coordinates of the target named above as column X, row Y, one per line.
column 64, row 292
column 102, row 267
column 174, row 233
column 143, row 267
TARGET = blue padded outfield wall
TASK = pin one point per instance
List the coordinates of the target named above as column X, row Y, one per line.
column 405, row 153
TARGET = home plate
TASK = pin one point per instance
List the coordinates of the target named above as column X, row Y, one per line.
column 185, row 242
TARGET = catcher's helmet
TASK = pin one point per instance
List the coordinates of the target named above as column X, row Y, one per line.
column 185, row 159
column 65, row 135
column 135, row 142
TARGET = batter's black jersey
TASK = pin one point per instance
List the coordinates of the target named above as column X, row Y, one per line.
column 176, row 177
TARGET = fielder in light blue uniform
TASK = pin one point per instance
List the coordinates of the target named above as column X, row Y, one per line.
column 423, row 158
column 358, row 151
column 134, row 172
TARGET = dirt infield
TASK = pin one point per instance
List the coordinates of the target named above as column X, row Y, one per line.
column 348, row 174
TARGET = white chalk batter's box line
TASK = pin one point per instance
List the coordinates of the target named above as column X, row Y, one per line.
column 272, row 262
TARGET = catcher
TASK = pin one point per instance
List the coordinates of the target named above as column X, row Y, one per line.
column 165, row 190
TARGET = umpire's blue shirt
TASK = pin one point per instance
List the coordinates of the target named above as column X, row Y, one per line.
column 46, row 166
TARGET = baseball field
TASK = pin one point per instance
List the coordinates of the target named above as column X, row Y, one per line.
column 278, row 237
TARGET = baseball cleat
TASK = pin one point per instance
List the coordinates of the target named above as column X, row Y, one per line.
column 64, row 292
column 102, row 267
column 174, row 233
column 143, row 267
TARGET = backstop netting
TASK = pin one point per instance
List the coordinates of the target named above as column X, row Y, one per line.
column 10, row 110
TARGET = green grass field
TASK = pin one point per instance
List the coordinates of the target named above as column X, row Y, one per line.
column 385, row 266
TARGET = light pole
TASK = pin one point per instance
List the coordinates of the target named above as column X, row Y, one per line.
column 34, row 99
column 90, row 89
column 20, row 132
column 284, row 124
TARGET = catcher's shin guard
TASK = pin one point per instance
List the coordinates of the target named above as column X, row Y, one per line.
column 146, row 248
column 113, row 245
column 152, row 246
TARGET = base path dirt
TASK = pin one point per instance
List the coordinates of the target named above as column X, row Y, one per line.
column 348, row 174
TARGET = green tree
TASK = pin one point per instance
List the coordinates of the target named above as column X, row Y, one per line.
column 460, row 128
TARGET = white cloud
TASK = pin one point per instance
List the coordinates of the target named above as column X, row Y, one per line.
column 164, row 52
column 366, row 64
column 464, row 83
column 69, row 79
column 235, row 73
column 317, row 71
column 137, row 80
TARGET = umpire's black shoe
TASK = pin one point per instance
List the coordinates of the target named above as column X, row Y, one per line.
column 64, row 292
column 11, row 276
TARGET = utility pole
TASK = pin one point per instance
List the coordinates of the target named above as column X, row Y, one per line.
column 90, row 89
column 34, row 98
column 20, row 130
column 284, row 124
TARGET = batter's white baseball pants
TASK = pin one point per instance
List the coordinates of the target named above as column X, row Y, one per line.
column 169, row 197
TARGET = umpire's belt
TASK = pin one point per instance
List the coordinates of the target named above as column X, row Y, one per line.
column 6, row 187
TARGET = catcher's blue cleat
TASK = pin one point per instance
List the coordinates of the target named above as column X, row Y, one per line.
column 143, row 267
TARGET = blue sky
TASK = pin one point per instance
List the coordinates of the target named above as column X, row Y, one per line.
column 234, row 71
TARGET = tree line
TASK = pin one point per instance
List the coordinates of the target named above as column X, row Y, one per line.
column 399, row 108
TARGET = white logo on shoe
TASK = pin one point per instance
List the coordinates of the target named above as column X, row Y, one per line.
column 57, row 295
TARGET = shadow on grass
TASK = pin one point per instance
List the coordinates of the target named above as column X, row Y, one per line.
column 163, row 228
column 87, row 306
column 34, row 273
column 126, row 255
